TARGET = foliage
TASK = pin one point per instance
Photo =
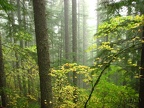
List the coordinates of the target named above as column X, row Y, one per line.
column 23, row 35
column 116, row 63
column 63, row 87
column 113, row 8
column 18, row 101
column 4, row 5
column 27, row 71
column 117, row 24
column 118, row 37
column 118, row 43
column 112, row 96
column 106, row 93
column 111, row 92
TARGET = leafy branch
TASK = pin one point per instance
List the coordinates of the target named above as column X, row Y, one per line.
column 101, row 73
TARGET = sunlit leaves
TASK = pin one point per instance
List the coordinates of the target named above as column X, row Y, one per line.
column 92, row 47
column 23, row 35
column 62, row 85
column 15, row 100
column 119, row 23
column 32, row 97
column 122, row 33
column 106, row 45
column 71, row 67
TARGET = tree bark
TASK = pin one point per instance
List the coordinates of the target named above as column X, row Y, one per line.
column 2, row 78
column 74, row 45
column 66, row 21
column 84, row 34
column 18, row 62
column 43, row 53
column 141, row 90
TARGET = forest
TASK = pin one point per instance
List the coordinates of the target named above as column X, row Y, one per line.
column 71, row 54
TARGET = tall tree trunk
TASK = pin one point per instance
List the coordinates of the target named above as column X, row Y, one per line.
column 43, row 53
column 24, row 44
column 61, row 45
column 80, row 81
column 12, row 30
column 74, row 44
column 18, row 62
column 141, row 90
column 78, row 32
column 66, row 21
column 74, row 30
column 67, row 36
column 84, row 33
column 2, row 78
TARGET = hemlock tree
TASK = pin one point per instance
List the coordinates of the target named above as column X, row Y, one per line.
column 5, row 7
column 74, row 30
column 84, row 33
column 2, row 78
column 43, row 53
column 141, row 90
column 66, row 21
column 74, row 44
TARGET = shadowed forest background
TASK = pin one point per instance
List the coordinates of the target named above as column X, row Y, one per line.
column 72, row 53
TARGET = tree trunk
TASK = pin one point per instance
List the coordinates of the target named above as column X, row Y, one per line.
column 141, row 90
column 84, row 34
column 78, row 31
column 80, row 81
column 43, row 53
column 74, row 44
column 66, row 21
column 2, row 78
column 18, row 62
